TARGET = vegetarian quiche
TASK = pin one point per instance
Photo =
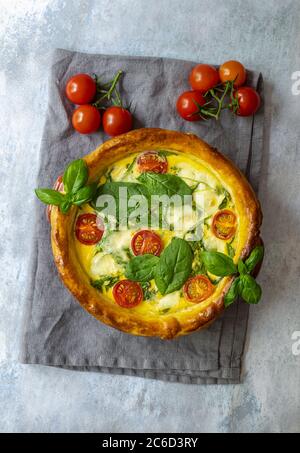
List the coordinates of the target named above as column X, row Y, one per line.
column 133, row 256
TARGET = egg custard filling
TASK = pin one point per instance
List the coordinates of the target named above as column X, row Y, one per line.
column 144, row 254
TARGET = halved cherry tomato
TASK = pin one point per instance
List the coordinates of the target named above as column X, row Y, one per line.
column 128, row 294
column 86, row 119
column 146, row 241
column 233, row 71
column 81, row 89
column 117, row 120
column 58, row 185
column 89, row 228
column 203, row 77
column 187, row 105
column 249, row 101
column 152, row 161
column 197, row 289
column 224, row 224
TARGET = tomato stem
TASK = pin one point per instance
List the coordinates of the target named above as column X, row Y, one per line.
column 108, row 91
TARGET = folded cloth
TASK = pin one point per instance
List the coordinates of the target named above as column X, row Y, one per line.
column 57, row 331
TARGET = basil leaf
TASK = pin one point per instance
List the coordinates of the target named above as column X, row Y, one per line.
column 218, row 263
column 250, row 290
column 174, row 266
column 84, row 194
column 65, row 206
column 255, row 257
column 50, row 196
column 242, row 267
column 233, row 292
column 141, row 268
column 75, row 176
column 164, row 184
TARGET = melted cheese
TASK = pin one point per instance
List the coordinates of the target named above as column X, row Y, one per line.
column 109, row 257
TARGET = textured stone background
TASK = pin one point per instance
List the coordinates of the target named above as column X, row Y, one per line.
column 263, row 35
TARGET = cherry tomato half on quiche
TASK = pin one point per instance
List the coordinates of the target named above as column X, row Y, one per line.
column 86, row 119
column 233, row 71
column 249, row 101
column 81, row 89
column 116, row 121
column 146, row 241
column 203, row 77
column 89, row 229
column 152, row 161
column 187, row 105
column 197, row 289
column 224, row 224
column 128, row 294
column 58, row 185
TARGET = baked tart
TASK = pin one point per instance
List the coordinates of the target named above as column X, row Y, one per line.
column 163, row 243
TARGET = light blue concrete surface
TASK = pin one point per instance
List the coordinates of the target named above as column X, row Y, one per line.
column 264, row 36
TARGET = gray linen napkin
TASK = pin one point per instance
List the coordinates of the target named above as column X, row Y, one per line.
column 57, row 331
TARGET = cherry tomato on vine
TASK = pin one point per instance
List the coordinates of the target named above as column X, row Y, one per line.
column 146, row 241
column 249, row 101
column 152, row 161
column 128, row 294
column 197, row 289
column 233, row 71
column 86, row 119
column 203, row 77
column 81, row 89
column 89, row 229
column 117, row 120
column 187, row 105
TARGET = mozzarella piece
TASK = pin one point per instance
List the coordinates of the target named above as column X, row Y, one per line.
column 169, row 301
column 117, row 240
column 213, row 243
column 103, row 264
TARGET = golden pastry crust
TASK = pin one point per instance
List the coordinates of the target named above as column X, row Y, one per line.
column 175, row 324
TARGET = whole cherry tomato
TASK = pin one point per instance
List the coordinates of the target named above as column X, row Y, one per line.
column 187, row 105
column 249, row 101
column 86, row 119
column 233, row 71
column 203, row 77
column 117, row 120
column 81, row 89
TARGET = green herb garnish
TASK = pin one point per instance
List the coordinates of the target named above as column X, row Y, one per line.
column 77, row 192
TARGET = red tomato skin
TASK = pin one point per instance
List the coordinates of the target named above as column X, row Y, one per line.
column 81, row 89
column 84, row 220
column 127, row 285
column 116, row 121
column 200, row 298
column 58, row 185
column 186, row 106
column 149, row 238
column 152, row 161
column 203, row 77
column 233, row 70
column 86, row 119
column 249, row 101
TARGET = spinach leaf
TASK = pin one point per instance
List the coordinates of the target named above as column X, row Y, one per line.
column 233, row 292
column 242, row 267
column 75, row 176
column 255, row 257
column 174, row 266
column 218, row 263
column 141, row 268
column 250, row 290
column 105, row 282
column 164, row 184
column 230, row 250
